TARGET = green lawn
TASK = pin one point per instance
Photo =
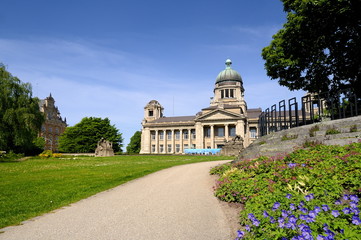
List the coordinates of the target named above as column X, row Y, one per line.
column 36, row 186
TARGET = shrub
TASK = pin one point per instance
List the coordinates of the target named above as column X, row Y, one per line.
column 331, row 131
column 309, row 143
column 313, row 130
column 290, row 137
column 326, row 171
column 10, row 156
column 353, row 128
column 46, row 154
column 262, row 142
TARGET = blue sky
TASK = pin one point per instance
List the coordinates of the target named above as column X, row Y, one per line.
column 110, row 58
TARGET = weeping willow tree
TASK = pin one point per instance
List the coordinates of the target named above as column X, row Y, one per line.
column 20, row 117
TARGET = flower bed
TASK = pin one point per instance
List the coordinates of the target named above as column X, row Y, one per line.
column 313, row 180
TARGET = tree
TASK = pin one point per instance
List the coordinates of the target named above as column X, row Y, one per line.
column 83, row 137
column 319, row 47
column 134, row 145
column 20, row 117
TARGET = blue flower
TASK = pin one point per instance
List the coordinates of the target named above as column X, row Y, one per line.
column 325, row 208
column 354, row 198
column 304, row 210
column 346, row 210
column 251, row 216
column 312, row 214
column 289, row 196
column 292, row 165
column 335, row 213
column 317, row 209
column 338, row 202
column 309, row 197
column 272, row 220
column 265, row 214
column 345, row 197
column 240, row 234
column 356, row 211
column 248, row 228
column 292, row 219
column 353, row 204
column 284, row 213
column 356, row 220
column 256, row 222
column 292, row 206
column 276, row 205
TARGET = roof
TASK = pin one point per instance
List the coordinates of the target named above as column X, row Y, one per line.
column 174, row 119
column 254, row 112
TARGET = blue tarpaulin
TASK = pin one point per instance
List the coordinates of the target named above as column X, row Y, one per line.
column 202, row 151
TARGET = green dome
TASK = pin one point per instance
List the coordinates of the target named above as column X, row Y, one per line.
column 228, row 74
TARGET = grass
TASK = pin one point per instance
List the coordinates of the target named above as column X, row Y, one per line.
column 37, row 186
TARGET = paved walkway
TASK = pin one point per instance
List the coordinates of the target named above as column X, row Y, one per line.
column 175, row 203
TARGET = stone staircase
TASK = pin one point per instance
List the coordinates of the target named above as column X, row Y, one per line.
column 336, row 132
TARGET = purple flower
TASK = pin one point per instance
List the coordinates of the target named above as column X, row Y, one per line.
column 284, row 213
column 346, row 210
column 248, row 228
column 256, row 222
column 356, row 211
column 289, row 196
column 345, row 197
column 276, row 205
column 292, row 206
column 309, row 197
column 325, row 208
column 335, row 213
column 240, row 234
column 353, row 204
column 354, row 198
column 265, row 214
column 304, row 210
column 356, row 220
column 338, row 202
column 292, row 165
column 272, row 220
column 292, row 219
column 320, row 237
column 312, row 214
column 251, row 216
column 281, row 222
column 317, row 209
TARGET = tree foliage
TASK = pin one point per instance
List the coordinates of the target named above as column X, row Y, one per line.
column 84, row 136
column 134, row 145
column 319, row 47
column 20, row 117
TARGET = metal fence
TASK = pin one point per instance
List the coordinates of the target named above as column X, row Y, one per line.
column 312, row 108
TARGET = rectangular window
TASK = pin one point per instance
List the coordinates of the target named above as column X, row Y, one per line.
column 185, row 134
column 169, row 148
column 232, row 131
column 169, row 135
column 220, row 131
column 193, row 146
column 227, row 93
column 177, row 148
column 193, row 133
column 153, row 148
column 253, row 132
column 152, row 134
column 150, row 113
column 207, row 132
column 222, row 93
column 161, row 135
column 177, row 135
column 161, row 149
column 231, row 93
column 185, row 146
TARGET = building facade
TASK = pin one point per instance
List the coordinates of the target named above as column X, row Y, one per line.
column 225, row 118
column 53, row 126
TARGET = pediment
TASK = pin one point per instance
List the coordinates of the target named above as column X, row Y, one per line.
column 218, row 114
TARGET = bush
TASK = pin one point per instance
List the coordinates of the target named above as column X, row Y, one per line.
column 46, row 154
column 331, row 131
column 326, row 171
column 313, row 130
column 9, row 157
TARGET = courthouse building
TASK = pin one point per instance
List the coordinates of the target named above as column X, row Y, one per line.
column 225, row 118
column 53, row 126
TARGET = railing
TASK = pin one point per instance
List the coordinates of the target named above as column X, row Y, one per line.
column 312, row 108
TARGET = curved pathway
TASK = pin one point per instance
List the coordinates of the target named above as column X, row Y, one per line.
column 175, row 203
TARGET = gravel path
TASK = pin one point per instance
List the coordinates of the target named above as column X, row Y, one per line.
column 175, row 203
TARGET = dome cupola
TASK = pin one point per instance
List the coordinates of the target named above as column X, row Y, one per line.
column 228, row 74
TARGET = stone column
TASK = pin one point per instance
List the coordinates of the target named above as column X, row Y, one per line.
column 212, row 136
column 156, row 142
column 173, row 142
column 199, row 135
column 165, row 141
column 226, row 133
column 181, row 140
column 189, row 138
